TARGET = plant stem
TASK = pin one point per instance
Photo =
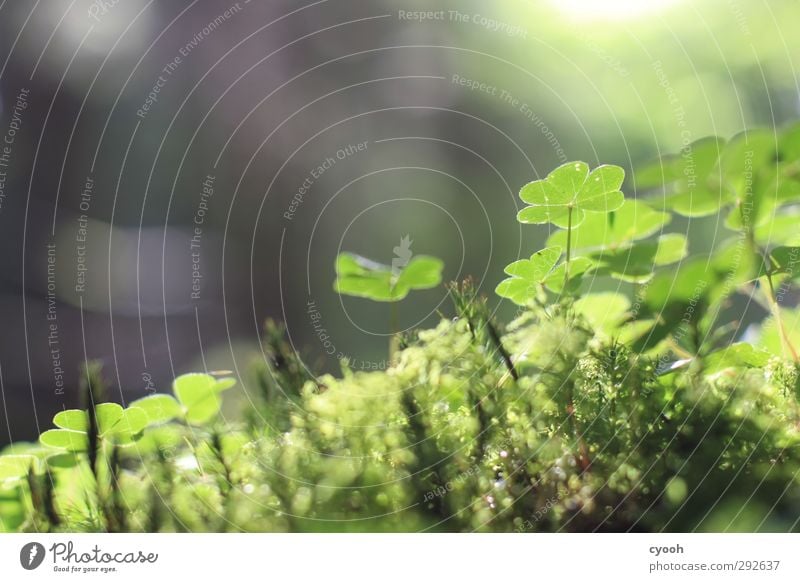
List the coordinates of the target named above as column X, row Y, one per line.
column 569, row 247
column 392, row 328
column 786, row 344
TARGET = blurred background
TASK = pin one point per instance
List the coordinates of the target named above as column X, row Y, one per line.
column 173, row 173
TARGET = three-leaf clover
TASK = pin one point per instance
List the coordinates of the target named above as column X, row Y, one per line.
column 528, row 276
column 114, row 424
column 198, row 400
column 199, row 395
column 569, row 191
column 361, row 277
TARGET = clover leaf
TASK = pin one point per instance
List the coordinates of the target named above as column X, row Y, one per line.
column 16, row 466
column 686, row 178
column 746, row 174
column 771, row 338
column 605, row 312
column 738, row 355
column 18, row 458
column 781, row 230
column 114, row 423
column 199, row 396
column 361, row 277
column 569, row 191
column 632, row 221
column 636, row 262
column 528, row 275
column 159, row 408
column 569, row 274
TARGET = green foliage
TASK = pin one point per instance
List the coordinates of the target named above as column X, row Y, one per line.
column 361, row 277
column 529, row 276
column 751, row 176
column 199, row 396
column 637, row 409
column 569, row 191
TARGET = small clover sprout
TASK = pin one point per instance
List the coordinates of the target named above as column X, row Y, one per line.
column 361, row 277
column 199, row 397
column 198, row 402
column 115, row 424
column 528, row 276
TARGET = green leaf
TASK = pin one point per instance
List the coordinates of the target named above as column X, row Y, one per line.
column 108, row 415
column 224, row 384
column 555, row 214
column 786, row 260
column 671, row 248
column 789, row 143
column 62, row 461
column 690, row 179
column 695, row 203
column 634, row 220
column 131, row 423
column 16, row 466
column 70, row 440
column 739, row 355
column 198, row 395
column 770, row 338
column 159, row 408
column 637, row 262
column 568, row 179
column 361, row 277
column 692, row 165
column 520, row 291
column 605, row 312
column 422, row 272
column 72, row 420
column 735, row 262
column 781, row 229
column 204, row 410
column 527, row 275
column 578, row 267
column 570, row 188
column 165, row 435
column 744, row 156
column 691, row 282
column 601, row 192
column 231, row 445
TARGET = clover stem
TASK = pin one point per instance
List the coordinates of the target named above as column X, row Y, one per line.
column 786, row 343
column 569, row 247
column 392, row 328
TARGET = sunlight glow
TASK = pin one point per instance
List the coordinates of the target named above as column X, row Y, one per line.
column 611, row 9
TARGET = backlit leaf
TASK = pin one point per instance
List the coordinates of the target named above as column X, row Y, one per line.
column 69, row 440
column 15, row 466
column 527, row 275
column 634, row 220
column 198, row 395
column 158, row 407
column 72, row 420
column 569, row 191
